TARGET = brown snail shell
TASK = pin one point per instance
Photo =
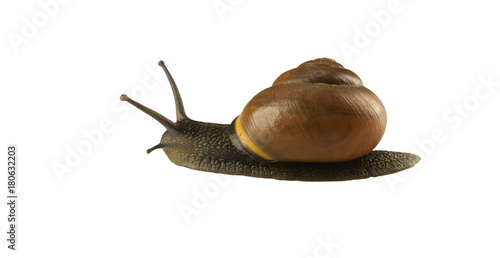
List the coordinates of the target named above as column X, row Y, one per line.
column 317, row 112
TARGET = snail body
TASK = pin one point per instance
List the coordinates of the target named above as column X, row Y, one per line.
column 317, row 122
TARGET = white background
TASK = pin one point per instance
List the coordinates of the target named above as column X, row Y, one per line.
column 62, row 74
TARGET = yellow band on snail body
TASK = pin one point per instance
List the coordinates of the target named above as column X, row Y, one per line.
column 245, row 140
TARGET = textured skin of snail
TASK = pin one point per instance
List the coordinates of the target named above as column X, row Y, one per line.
column 220, row 156
column 208, row 147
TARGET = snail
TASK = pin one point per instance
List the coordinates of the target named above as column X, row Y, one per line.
column 317, row 122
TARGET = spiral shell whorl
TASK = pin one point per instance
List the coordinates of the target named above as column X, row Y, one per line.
column 321, row 70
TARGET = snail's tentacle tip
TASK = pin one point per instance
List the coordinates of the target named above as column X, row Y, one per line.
column 124, row 97
column 157, row 146
column 161, row 63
